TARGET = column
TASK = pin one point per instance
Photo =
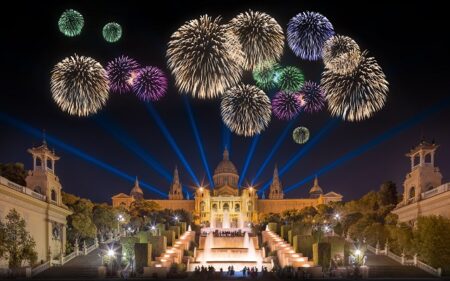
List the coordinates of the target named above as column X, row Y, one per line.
column 63, row 238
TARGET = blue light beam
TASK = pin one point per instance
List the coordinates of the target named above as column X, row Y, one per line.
column 226, row 138
column 75, row 151
column 376, row 141
column 171, row 141
column 248, row 158
column 275, row 148
column 198, row 140
column 120, row 135
column 304, row 150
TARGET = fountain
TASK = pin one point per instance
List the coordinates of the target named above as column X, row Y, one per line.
column 251, row 251
column 267, row 228
column 189, row 228
column 208, row 245
column 226, row 220
column 246, row 240
column 241, row 220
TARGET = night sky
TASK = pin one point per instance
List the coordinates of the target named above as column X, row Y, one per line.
column 408, row 40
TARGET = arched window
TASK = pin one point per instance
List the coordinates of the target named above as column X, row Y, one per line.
column 38, row 162
column 416, row 160
column 428, row 158
column 412, row 192
column 53, row 195
column 237, row 208
column 214, row 206
column 226, row 207
column 202, row 206
column 49, row 164
column 250, row 206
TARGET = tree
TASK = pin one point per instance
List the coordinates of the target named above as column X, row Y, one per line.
column 80, row 224
column 388, row 194
column 431, row 239
column 14, row 172
column 16, row 243
column 104, row 218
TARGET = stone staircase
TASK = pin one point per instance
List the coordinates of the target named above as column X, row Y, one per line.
column 381, row 266
column 81, row 267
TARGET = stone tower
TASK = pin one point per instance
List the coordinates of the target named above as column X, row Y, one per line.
column 276, row 189
column 175, row 191
column 316, row 190
column 424, row 174
column 42, row 179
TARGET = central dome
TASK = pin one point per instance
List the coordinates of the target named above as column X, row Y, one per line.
column 226, row 173
column 225, row 166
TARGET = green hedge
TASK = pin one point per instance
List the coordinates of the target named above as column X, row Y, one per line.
column 303, row 244
column 322, row 254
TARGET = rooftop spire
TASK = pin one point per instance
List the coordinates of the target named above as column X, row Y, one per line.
column 275, row 173
column 136, row 182
column 44, row 138
column 226, row 155
column 316, row 181
column 176, row 178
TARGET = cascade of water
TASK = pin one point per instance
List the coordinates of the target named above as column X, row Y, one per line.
column 226, row 220
column 267, row 228
column 209, row 243
column 251, row 251
column 241, row 220
column 246, row 240
column 189, row 228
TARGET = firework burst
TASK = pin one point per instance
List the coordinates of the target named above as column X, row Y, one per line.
column 358, row 95
column 267, row 75
column 261, row 37
column 291, row 79
column 112, row 32
column 245, row 110
column 205, row 57
column 121, row 72
column 286, row 106
column 312, row 96
column 71, row 23
column 79, row 85
column 300, row 135
column 306, row 34
column 341, row 54
column 150, row 84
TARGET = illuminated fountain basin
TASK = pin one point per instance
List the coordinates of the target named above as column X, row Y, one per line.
column 222, row 252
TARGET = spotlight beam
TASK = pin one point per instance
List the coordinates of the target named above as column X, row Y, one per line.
column 275, row 148
column 198, row 140
column 226, row 138
column 171, row 140
column 248, row 158
column 120, row 135
column 304, row 150
column 394, row 131
column 75, row 151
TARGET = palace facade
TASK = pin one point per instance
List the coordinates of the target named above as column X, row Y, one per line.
column 424, row 194
column 39, row 203
column 241, row 205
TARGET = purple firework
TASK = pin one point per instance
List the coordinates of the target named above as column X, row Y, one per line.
column 121, row 72
column 306, row 34
column 286, row 106
column 313, row 97
column 150, row 84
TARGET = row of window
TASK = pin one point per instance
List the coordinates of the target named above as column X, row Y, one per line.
column 226, row 207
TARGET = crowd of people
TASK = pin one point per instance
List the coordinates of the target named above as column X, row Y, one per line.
column 246, row 271
column 226, row 233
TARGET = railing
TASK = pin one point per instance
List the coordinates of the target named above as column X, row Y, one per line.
column 429, row 269
column 69, row 257
column 435, row 191
column 395, row 257
column 38, row 269
column 22, row 189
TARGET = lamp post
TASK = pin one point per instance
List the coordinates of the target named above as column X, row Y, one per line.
column 120, row 219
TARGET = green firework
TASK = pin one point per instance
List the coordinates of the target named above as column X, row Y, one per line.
column 112, row 32
column 71, row 23
column 291, row 79
column 267, row 76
